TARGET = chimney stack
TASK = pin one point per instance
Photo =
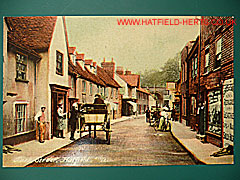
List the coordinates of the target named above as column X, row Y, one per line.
column 127, row 72
column 109, row 67
column 120, row 70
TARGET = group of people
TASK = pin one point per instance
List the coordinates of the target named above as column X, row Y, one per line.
column 164, row 113
column 41, row 120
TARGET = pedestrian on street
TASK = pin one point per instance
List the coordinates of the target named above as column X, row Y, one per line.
column 41, row 120
column 148, row 113
column 61, row 118
column 73, row 119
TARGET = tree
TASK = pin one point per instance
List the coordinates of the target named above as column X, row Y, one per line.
column 169, row 72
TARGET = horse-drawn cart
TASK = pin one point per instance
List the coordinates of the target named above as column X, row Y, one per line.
column 96, row 116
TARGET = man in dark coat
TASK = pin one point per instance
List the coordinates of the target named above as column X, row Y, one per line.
column 98, row 99
column 73, row 120
column 148, row 113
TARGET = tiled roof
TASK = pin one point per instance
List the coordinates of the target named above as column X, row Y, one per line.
column 106, row 78
column 81, row 72
column 34, row 33
column 94, row 78
column 131, row 79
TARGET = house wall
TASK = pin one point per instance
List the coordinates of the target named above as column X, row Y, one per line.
column 23, row 93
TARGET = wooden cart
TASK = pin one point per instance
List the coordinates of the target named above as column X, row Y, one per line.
column 96, row 116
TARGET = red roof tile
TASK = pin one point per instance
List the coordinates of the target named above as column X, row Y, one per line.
column 31, row 32
column 81, row 72
column 106, row 78
column 94, row 78
column 131, row 79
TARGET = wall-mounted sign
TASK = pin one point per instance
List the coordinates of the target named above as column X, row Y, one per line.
column 228, row 112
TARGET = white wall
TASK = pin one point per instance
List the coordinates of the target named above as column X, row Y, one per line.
column 123, row 84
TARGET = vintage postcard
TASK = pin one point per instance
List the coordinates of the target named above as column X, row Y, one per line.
column 82, row 91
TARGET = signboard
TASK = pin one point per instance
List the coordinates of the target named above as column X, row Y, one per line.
column 214, row 112
column 228, row 112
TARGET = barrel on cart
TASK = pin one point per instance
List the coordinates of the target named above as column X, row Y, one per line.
column 96, row 116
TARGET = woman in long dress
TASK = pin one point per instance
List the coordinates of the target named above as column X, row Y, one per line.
column 61, row 121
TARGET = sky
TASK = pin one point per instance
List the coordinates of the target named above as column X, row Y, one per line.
column 135, row 47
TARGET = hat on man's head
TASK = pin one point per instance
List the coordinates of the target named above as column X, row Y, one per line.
column 43, row 106
column 97, row 95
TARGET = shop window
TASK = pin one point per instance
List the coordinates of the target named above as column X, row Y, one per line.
column 59, row 63
column 214, row 112
column 20, row 117
column 21, row 66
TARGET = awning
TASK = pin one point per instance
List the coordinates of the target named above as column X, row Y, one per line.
column 134, row 105
column 113, row 105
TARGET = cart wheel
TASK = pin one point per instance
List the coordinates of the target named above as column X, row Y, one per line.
column 156, row 125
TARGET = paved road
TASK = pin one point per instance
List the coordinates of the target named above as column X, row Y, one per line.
column 133, row 142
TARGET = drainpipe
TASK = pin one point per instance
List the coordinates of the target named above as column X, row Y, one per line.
column 201, row 119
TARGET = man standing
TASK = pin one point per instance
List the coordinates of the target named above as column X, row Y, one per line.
column 41, row 120
column 73, row 119
column 148, row 113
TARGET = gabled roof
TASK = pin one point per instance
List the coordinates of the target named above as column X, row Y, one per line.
column 34, row 33
column 106, row 78
column 131, row 79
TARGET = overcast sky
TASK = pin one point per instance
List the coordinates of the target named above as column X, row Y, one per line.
column 136, row 48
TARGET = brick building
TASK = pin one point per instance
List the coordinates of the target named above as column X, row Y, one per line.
column 207, row 82
column 216, row 81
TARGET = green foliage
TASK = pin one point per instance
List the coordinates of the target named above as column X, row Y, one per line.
column 169, row 72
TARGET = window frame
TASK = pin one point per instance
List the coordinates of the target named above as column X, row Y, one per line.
column 84, row 86
column 22, row 63
column 207, row 65
column 218, row 53
column 16, row 116
column 62, row 63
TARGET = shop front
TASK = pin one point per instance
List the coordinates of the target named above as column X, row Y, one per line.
column 58, row 96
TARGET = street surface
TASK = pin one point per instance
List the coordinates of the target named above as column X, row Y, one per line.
column 133, row 143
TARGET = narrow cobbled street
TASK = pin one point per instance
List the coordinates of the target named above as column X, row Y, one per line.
column 133, row 142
